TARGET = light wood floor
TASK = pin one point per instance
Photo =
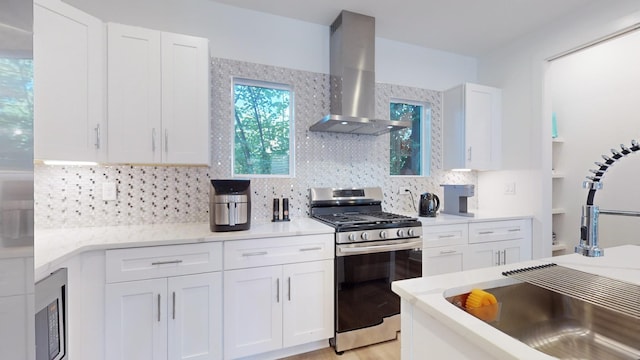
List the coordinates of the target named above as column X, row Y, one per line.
column 389, row 350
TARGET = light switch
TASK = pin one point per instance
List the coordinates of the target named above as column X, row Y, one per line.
column 109, row 191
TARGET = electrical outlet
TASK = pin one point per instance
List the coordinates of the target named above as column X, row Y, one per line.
column 109, row 191
column 510, row 188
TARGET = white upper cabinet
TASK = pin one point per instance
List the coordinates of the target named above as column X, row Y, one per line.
column 134, row 94
column 158, row 96
column 185, row 99
column 472, row 120
column 69, row 73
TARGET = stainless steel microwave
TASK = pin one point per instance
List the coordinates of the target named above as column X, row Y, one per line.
column 51, row 317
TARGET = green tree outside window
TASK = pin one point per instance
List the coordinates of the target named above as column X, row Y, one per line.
column 262, row 144
column 409, row 147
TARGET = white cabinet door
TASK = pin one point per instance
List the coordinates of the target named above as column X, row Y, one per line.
column 253, row 311
column 158, row 96
column 134, row 77
column 483, row 133
column 136, row 320
column 494, row 253
column 442, row 260
column 195, row 317
column 185, row 99
column 472, row 127
column 308, row 305
column 480, row 256
column 69, row 70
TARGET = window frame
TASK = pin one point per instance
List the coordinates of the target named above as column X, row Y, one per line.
column 425, row 136
column 271, row 85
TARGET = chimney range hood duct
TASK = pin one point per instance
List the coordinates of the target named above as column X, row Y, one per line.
column 352, row 80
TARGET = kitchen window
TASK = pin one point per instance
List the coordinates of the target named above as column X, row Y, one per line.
column 410, row 148
column 263, row 126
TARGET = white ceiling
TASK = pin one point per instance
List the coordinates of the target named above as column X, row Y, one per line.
column 467, row 27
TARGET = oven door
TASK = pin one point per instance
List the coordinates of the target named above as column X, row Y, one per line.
column 364, row 273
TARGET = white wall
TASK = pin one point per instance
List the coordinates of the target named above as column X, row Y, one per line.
column 519, row 69
column 256, row 37
column 595, row 96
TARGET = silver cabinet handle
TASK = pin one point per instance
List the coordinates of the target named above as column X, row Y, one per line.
column 166, row 262
column 158, row 307
column 278, row 290
column 514, row 230
column 445, row 236
column 485, row 232
column 469, row 153
column 289, row 286
column 257, row 253
column 153, row 140
column 166, row 140
column 504, row 257
column 498, row 257
column 312, row 248
column 97, row 136
column 447, row 252
column 174, row 305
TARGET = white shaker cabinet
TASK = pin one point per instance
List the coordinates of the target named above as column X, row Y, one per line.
column 285, row 304
column 444, row 248
column 69, row 73
column 472, row 127
column 158, row 97
column 160, row 316
column 498, row 243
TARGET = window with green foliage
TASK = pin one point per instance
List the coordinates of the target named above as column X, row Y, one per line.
column 16, row 113
column 410, row 147
column 263, row 127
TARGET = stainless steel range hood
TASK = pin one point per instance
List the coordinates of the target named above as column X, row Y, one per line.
column 352, row 47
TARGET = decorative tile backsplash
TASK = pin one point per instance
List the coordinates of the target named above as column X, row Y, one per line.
column 71, row 196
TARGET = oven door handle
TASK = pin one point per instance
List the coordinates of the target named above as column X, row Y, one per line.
column 346, row 250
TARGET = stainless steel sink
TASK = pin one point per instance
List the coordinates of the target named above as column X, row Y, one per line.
column 564, row 327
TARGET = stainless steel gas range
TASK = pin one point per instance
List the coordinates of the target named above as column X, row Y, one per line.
column 373, row 248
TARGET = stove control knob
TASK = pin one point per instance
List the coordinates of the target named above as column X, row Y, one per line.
column 400, row 233
column 364, row 236
column 383, row 234
column 352, row 237
column 410, row 232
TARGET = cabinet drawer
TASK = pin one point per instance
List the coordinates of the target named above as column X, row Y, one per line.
column 442, row 260
column 162, row 261
column 498, row 231
column 444, row 235
column 274, row 251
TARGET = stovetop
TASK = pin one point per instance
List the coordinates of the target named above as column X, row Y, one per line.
column 357, row 216
column 339, row 220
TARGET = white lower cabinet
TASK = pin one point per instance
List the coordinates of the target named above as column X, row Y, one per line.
column 166, row 317
column 467, row 246
column 443, row 260
column 497, row 243
column 494, row 254
column 273, row 307
column 173, row 318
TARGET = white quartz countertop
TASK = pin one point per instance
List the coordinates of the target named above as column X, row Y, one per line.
column 478, row 216
column 428, row 295
column 54, row 246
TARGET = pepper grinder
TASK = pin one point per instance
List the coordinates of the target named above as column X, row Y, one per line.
column 285, row 209
column 276, row 209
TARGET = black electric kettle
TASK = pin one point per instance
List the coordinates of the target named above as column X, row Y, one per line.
column 429, row 204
